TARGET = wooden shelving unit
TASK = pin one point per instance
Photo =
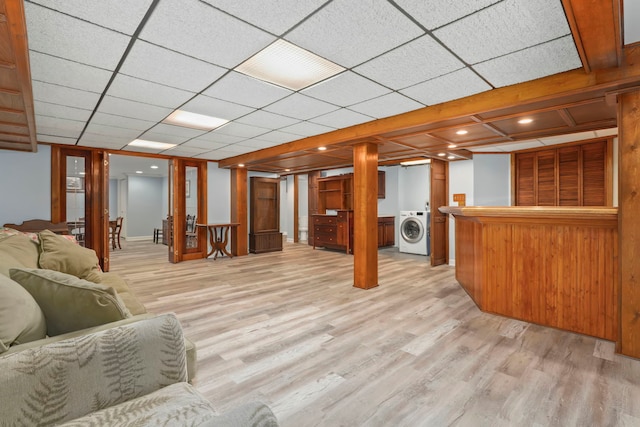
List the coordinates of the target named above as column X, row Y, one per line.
column 264, row 224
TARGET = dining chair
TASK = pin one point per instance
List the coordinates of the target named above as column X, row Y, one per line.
column 115, row 228
column 192, row 235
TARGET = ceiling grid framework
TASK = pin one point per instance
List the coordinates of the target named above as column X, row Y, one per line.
column 399, row 56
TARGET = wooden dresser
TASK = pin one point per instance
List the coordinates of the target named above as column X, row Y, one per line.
column 336, row 231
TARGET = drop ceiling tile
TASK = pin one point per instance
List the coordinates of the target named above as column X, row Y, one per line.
column 238, row 149
column 49, row 69
column 419, row 60
column 66, row 37
column 148, row 62
column 57, row 123
column 203, row 144
column 245, row 90
column 561, row 139
column 216, row 108
column 238, row 130
column 121, row 122
column 350, row 35
column 275, row 17
column 56, row 131
column 180, row 131
column 277, row 137
column 503, row 28
column 94, row 140
column 219, row 138
column 257, row 144
column 135, row 149
column 267, row 120
column 436, row 13
column 60, row 111
column 386, row 105
column 455, row 85
column 184, row 151
column 56, row 139
column 300, row 107
column 216, row 155
column 61, row 95
column 197, row 29
column 162, row 137
column 147, row 92
column 342, row 118
column 538, row 61
column 97, row 129
column 132, row 109
column 104, row 13
column 307, row 129
column 346, row 89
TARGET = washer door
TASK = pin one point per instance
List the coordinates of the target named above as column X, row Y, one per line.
column 411, row 230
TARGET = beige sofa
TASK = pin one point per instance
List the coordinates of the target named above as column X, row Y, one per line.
column 52, row 289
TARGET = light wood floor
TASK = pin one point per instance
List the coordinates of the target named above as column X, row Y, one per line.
column 288, row 329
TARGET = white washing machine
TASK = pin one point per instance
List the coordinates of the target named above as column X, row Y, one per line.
column 414, row 232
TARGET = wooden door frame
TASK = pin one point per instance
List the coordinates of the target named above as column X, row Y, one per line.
column 435, row 213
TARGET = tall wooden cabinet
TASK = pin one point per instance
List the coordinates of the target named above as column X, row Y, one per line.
column 264, row 224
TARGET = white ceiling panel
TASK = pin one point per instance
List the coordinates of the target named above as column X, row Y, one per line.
column 503, row 28
column 62, row 72
column 631, row 18
column 342, row 118
column 67, row 37
column 274, row 16
column 216, row 107
column 267, row 120
column 122, row 122
column 386, row 105
column 300, row 107
column 307, row 129
column 542, row 60
column 197, row 29
column 219, row 138
column 134, row 149
column 276, row 137
column 97, row 129
column 56, row 139
column 216, row 155
column 456, row 85
column 180, row 131
column 184, row 151
column 61, row 95
column 203, row 144
column 238, row 149
column 147, row 92
column 162, row 137
column 148, row 62
column 419, row 60
column 238, row 130
column 132, row 109
column 346, row 89
column 60, row 111
column 436, row 13
column 245, row 90
column 103, row 141
column 350, row 34
column 57, row 131
column 109, row 14
column 257, row 144
column 58, row 123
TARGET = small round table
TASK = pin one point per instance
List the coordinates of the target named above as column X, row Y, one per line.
column 219, row 237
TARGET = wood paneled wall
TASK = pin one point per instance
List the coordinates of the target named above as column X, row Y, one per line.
column 558, row 270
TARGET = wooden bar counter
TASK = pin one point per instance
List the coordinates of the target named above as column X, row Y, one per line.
column 555, row 266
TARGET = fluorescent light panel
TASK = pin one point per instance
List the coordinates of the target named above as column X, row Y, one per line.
column 415, row 162
column 151, row 144
column 193, row 120
column 287, row 65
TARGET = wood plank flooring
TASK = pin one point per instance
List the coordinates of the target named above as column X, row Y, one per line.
column 288, row 329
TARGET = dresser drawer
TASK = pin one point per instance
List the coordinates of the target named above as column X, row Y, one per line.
column 324, row 220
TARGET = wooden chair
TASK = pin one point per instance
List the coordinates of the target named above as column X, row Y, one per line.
column 192, row 236
column 115, row 228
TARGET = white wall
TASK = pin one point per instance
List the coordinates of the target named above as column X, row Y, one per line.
column 492, row 179
column 25, row 185
column 219, row 194
column 144, row 206
column 460, row 181
column 414, row 187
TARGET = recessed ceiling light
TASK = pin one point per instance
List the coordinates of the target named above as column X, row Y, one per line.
column 415, row 162
column 240, row 165
column 153, row 167
column 285, row 64
column 462, row 132
column 322, row 148
column 151, row 144
column 451, row 157
column 138, row 171
column 452, row 146
column 287, row 170
column 442, row 154
column 525, row 121
column 193, row 120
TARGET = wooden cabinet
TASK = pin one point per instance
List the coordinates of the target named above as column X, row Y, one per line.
column 386, row 231
column 576, row 175
column 264, row 224
column 336, row 192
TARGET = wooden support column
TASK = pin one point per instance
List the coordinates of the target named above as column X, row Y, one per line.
column 239, row 234
column 296, row 189
column 365, row 214
column 629, row 221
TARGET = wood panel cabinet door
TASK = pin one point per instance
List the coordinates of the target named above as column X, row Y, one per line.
column 439, row 221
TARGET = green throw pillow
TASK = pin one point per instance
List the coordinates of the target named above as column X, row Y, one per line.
column 17, row 251
column 63, row 255
column 21, row 319
column 69, row 303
